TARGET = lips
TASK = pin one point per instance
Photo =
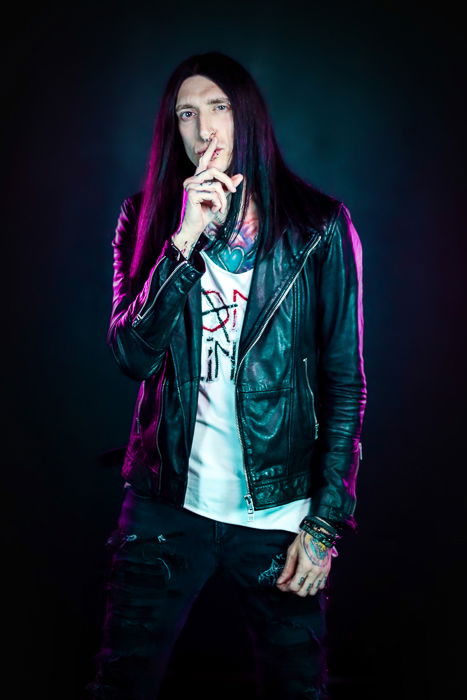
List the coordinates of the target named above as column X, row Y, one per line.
column 214, row 155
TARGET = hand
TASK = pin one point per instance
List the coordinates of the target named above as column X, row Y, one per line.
column 307, row 566
column 205, row 193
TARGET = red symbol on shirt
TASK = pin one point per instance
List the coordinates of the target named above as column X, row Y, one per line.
column 221, row 311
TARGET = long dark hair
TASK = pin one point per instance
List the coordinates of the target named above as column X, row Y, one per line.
column 281, row 197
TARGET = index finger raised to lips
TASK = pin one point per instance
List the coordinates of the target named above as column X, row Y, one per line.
column 206, row 157
column 214, row 173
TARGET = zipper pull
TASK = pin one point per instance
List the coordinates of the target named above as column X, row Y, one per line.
column 250, row 511
column 361, row 451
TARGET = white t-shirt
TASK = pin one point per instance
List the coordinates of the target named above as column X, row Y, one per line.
column 217, row 483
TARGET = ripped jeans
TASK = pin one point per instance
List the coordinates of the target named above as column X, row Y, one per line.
column 162, row 558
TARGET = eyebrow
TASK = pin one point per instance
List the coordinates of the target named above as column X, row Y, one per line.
column 213, row 101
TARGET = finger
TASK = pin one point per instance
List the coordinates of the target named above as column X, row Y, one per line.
column 299, row 582
column 304, row 587
column 289, row 568
column 210, row 188
column 210, row 174
column 322, row 583
column 197, row 196
column 236, row 179
column 206, row 157
column 218, row 187
column 314, row 586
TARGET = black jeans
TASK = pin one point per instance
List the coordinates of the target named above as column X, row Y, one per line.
column 162, row 558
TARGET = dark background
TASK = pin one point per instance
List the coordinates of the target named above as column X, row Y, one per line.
column 367, row 104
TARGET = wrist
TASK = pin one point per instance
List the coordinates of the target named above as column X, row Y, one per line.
column 184, row 241
column 320, row 531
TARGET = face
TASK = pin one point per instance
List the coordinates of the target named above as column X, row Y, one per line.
column 203, row 110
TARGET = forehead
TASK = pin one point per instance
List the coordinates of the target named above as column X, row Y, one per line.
column 198, row 88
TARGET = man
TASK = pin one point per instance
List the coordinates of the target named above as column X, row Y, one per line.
column 238, row 307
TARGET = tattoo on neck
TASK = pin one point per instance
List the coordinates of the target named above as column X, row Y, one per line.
column 239, row 255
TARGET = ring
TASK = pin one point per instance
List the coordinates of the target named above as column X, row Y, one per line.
column 301, row 581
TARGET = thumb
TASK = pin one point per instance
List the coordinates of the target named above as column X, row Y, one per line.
column 289, row 567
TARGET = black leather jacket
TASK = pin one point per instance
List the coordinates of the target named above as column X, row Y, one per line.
column 300, row 382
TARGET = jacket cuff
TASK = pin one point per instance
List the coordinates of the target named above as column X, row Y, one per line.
column 343, row 522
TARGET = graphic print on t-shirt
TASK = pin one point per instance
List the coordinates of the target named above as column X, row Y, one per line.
column 221, row 331
column 217, row 483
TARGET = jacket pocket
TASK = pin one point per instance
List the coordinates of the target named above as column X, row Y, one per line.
column 312, row 396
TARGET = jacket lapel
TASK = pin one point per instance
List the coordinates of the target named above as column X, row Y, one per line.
column 271, row 277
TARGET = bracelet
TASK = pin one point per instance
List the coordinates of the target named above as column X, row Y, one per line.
column 199, row 245
column 176, row 252
column 317, row 523
column 311, row 526
column 320, row 537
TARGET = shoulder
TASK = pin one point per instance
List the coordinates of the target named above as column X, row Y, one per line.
column 125, row 231
column 316, row 212
column 132, row 204
column 332, row 219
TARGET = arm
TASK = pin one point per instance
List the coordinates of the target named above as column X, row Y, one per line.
column 341, row 377
column 141, row 326
column 342, row 390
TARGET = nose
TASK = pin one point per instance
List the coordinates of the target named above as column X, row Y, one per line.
column 205, row 128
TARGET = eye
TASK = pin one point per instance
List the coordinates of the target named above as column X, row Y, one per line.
column 224, row 107
column 181, row 115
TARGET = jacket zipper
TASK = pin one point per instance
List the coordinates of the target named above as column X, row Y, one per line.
column 157, row 433
column 278, row 303
column 138, row 411
column 140, row 315
column 248, row 497
column 305, row 360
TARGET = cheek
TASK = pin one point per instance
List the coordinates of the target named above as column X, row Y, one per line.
column 184, row 140
column 231, row 132
column 189, row 147
column 185, row 135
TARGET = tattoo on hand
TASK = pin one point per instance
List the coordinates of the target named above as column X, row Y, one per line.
column 316, row 553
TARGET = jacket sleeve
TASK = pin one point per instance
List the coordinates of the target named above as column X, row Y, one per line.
column 141, row 325
column 341, row 377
